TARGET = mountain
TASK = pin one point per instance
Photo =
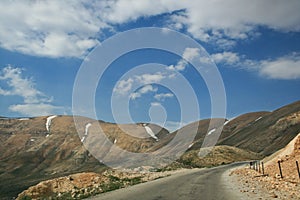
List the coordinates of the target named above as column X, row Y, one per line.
column 268, row 133
column 36, row 149
column 42, row 148
column 259, row 132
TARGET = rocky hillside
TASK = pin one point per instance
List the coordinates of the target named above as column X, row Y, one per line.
column 41, row 148
column 270, row 183
column 218, row 155
column 36, row 149
column 287, row 157
column 260, row 132
column 82, row 185
column 268, row 133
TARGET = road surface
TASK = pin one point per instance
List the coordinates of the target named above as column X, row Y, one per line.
column 197, row 184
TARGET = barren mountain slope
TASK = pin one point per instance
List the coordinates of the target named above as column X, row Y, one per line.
column 31, row 153
column 269, row 133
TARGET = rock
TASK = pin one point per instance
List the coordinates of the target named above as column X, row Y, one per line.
column 274, row 196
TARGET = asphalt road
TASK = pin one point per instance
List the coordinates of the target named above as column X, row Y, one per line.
column 203, row 184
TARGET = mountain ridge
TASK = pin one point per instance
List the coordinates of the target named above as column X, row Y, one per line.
column 32, row 153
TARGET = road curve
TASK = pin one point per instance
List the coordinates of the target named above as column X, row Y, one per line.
column 193, row 184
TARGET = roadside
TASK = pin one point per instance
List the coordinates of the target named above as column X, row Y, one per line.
column 279, row 177
column 258, row 186
column 83, row 185
column 245, row 185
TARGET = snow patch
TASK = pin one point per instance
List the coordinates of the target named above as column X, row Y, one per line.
column 190, row 145
column 211, row 131
column 226, row 122
column 258, row 119
column 48, row 122
column 23, row 119
column 150, row 132
column 87, row 128
column 115, row 141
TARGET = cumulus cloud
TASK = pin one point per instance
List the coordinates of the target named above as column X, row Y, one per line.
column 150, row 78
column 36, row 109
column 214, row 21
column 224, row 22
column 127, row 10
column 20, row 86
column 163, row 96
column 71, row 28
column 233, row 18
column 35, row 102
column 285, row 68
column 188, row 55
column 144, row 90
column 225, row 57
column 124, row 86
column 155, row 104
column 49, row 28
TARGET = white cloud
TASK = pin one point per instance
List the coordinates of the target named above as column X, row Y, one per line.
column 188, row 55
column 236, row 19
column 214, row 21
column 38, row 109
column 147, row 88
column 49, row 28
column 20, row 86
column 69, row 28
column 180, row 66
column 144, row 90
column 129, row 10
column 135, row 95
column 124, row 86
column 35, row 102
column 228, row 58
column 163, row 96
column 150, row 78
column 286, row 68
column 155, row 104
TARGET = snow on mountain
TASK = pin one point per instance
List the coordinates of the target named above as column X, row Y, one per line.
column 211, row 131
column 23, row 119
column 87, row 128
column 48, row 122
column 226, row 122
column 190, row 145
column 258, row 119
column 150, row 132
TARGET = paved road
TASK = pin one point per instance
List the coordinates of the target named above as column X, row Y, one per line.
column 203, row 184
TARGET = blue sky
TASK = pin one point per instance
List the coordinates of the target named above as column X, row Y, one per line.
column 254, row 44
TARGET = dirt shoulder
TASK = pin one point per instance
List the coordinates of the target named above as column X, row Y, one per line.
column 254, row 185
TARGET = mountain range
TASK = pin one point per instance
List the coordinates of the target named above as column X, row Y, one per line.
column 41, row 148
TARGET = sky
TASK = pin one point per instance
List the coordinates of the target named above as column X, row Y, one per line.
column 252, row 47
